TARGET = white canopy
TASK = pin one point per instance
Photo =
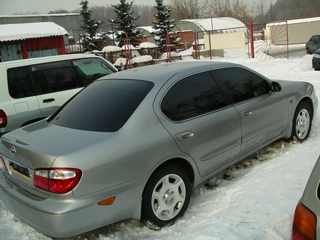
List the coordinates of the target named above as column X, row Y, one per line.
column 20, row 31
column 216, row 23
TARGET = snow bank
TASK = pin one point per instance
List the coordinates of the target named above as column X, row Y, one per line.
column 140, row 59
column 145, row 58
column 173, row 54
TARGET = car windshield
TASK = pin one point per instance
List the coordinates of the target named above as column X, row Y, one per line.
column 104, row 106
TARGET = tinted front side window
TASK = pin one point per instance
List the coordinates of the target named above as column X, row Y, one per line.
column 89, row 70
column 20, row 82
column 103, row 106
column 53, row 77
column 242, row 84
column 192, row 96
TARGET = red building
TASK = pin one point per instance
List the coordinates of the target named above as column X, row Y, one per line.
column 30, row 40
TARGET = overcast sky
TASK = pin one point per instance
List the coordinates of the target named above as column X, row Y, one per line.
column 9, row 7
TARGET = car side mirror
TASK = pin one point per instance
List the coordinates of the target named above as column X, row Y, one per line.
column 276, row 87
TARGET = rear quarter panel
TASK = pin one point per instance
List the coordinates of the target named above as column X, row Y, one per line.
column 135, row 151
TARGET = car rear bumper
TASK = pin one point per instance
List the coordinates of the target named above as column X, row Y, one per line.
column 63, row 218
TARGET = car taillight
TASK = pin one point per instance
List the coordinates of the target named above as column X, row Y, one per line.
column 304, row 224
column 56, row 180
column 2, row 163
column 3, row 119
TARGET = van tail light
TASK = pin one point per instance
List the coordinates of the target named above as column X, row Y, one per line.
column 56, row 180
column 3, row 119
column 304, row 224
column 2, row 163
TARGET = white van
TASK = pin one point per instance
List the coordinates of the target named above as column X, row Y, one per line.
column 33, row 89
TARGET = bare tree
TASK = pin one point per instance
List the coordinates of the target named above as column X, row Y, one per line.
column 294, row 9
column 261, row 11
column 227, row 8
column 26, row 13
column 58, row 11
column 186, row 9
column 102, row 13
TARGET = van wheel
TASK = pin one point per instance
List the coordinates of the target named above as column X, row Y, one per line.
column 301, row 122
column 166, row 196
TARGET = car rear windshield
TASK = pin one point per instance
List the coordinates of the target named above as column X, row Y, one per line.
column 104, row 106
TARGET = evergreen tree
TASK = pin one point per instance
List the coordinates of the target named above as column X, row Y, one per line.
column 162, row 26
column 125, row 22
column 90, row 27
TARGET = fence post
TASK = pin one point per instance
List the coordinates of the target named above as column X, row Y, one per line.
column 127, row 51
column 210, row 46
column 195, row 43
column 251, row 39
column 287, row 40
column 168, row 47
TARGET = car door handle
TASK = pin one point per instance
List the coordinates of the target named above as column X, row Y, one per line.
column 48, row 100
column 185, row 135
column 246, row 113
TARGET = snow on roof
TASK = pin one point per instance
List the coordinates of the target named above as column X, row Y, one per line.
column 147, row 45
column 40, row 15
column 150, row 29
column 295, row 21
column 216, row 23
column 111, row 49
column 10, row 32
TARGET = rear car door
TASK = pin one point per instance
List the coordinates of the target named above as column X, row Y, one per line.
column 263, row 113
column 55, row 83
column 194, row 111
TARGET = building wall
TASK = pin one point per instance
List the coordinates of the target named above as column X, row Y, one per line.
column 70, row 22
column 225, row 40
column 301, row 32
column 31, row 48
column 298, row 33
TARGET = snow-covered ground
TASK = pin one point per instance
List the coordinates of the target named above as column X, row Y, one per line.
column 254, row 199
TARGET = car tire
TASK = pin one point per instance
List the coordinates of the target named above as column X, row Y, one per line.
column 308, row 51
column 301, row 122
column 166, row 196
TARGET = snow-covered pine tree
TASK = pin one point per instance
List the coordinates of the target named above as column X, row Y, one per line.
column 125, row 23
column 90, row 27
column 162, row 25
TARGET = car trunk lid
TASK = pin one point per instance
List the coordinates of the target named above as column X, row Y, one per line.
column 28, row 148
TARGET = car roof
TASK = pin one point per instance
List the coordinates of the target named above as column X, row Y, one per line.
column 162, row 72
column 39, row 60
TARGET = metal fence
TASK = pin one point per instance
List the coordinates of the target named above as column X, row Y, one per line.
column 259, row 40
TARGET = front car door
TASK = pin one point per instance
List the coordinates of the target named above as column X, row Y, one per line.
column 263, row 113
column 194, row 111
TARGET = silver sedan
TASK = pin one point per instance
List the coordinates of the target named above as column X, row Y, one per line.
column 134, row 143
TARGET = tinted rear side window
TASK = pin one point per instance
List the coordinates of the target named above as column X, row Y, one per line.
column 192, row 96
column 103, row 106
column 242, row 84
column 20, row 82
column 53, row 77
